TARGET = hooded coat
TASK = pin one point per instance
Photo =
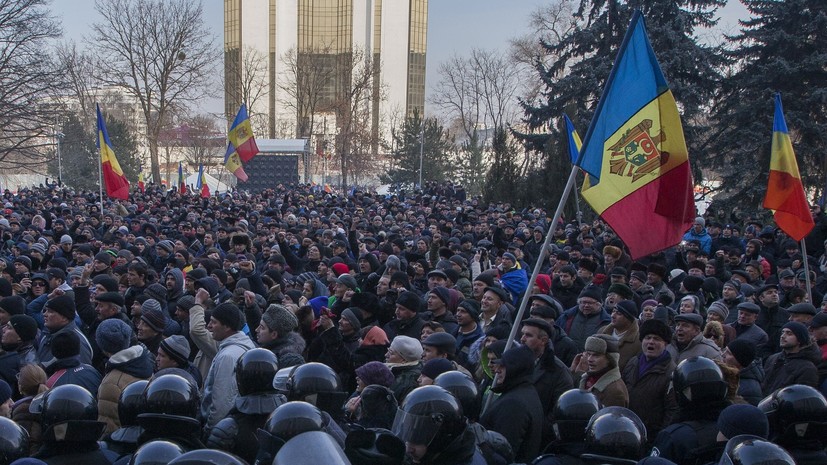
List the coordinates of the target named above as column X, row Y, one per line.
column 123, row 368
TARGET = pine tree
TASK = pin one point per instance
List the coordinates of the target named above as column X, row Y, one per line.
column 405, row 157
column 781, row 48
column 574, row 81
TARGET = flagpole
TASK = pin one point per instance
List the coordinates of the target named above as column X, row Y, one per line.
column 807, row 272
column 537, row 267
column 579, row 214
column 100, row 178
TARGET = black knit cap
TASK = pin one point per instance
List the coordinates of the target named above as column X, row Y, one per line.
column 229, row 315
column 62, row 305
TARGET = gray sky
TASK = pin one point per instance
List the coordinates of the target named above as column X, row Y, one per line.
column 454, row 26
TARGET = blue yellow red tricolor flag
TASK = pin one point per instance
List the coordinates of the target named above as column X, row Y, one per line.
column 117, row 187
column 573, row 138
column 785, row 191
column 635, row 154
column 202, row 183
column 182, row 187
column 241, row 146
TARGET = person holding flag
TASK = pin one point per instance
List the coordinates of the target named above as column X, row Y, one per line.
column 242, row 144
column 182, row 186
column 117, row 186
column 202, row 182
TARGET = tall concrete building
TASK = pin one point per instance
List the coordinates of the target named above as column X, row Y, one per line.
column 271, row 45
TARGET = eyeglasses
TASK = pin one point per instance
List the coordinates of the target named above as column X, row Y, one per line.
column 38, row 284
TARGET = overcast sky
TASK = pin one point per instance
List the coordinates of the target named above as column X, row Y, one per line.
column 454, row 26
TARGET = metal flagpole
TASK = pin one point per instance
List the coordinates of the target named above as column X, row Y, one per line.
column 100, row 176
column 579, row 214
column 807, row 272
column 537, row 267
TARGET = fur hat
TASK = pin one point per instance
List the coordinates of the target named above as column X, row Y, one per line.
column 408, row 348
column 657, row 328
column 113, row 336
column 604, row 344
column 624, row 291
column 692, row 283
column 229, row 315
column 657, row 269
column 612, row 251
column 280, row 319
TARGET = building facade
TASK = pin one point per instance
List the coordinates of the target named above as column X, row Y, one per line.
column 297, row 64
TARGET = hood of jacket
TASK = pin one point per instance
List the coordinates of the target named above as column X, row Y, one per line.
column 178, row 291
column 134, row 361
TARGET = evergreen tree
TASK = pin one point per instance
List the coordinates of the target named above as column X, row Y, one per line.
column 573, row 82
column 81, row 157
column 781, row 48
column 501, row 182
column 405, row 157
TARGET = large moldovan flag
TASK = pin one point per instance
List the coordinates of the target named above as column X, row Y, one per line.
column 117, row 187
column 242, row 144
column 785, row 192
column 635, row 153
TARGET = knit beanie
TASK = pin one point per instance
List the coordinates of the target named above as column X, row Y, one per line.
column 156, row 291
column 375, row 337
column 63, row 305
column 279, row 319
column 693, row 283
column 177, row 347
column 485, row 278
column 350, row 314
column 743, row 350
column 13, row 305
column 153, row 315
column 229, row 315
column 185, row 302
column 113, row 336
column 108, row 282
column 409, row 300
column 436, row 366
column 628, row 309
column 348, row 281
column 407, row 347
column 104, row 258
column 375, row 373
column 592, row 292
column 442, row 294
column 472, row 307
column 800, row 332
column 739, row 419
column 5, row 391
column 340, row 269
column 719, row 308
column 24, row 326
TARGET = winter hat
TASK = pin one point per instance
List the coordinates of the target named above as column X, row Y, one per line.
column 739, row 419
column 280, row 319
column 602, row 344
column 409, row 300
column 156, row 291
column 624, row 291
column 197, row 273
column 220, row 275
column 340, row 269
column 13, row 305
column 472, row 307
column 108, row 282
column 693, row 318
column 65, row 239
column 349, row 314
column 733, row 283
column 348, row 280
column 588, row 265
column 543, row 282
column 65, row 344
column 408, row 348
column 639, row 275
column 718, row 308
column 39, row 248
column 442, row 294
column 111, row 297
column 591, row 292
column 104, row 258
column 700, row 220
column 185, row 302
column 485, row 278
column 657, row 328
column 153, row 315
column 229, row 315
column 24, row 326
column 316, row 303
column 805, row 308
column 628, row 309
column 436, row 367
column 800, row 332
column 649, row 303
column 743, row 350
column 113, row 336
column 5, row 288
column 63, row 305
column 500, row 292
column 375, row 337
column 26, row 261
column 177, row 347
column 167, row 245
column 5, row 391
column 375, row 373
column 693, row 283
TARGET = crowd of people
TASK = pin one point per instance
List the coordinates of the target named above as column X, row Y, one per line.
column 299, row 326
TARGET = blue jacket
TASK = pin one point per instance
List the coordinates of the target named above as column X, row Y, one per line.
column 44, row 350
column 704, row 238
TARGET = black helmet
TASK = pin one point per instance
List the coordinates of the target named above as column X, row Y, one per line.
column 281, row 378
column 572, row 413
column 68, row 402
column 318, row 384
column 753, row 450
column 207, row 457
column 14, row 441
column 795, row 405
column 698, row 380
column 464, row 389
column 430, row 416
column 311, row 447
column 172, row 395
column 156, row 453
column 293, row 418
column 255, row 371
column 616, row 432
column 374, row 446
column 132, row 403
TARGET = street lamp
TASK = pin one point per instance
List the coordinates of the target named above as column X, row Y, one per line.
column 421, row 151
column 58, row 137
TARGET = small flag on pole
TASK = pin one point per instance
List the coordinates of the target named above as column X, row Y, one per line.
column 182, row 186
column 117, row 187
column 202, row 183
